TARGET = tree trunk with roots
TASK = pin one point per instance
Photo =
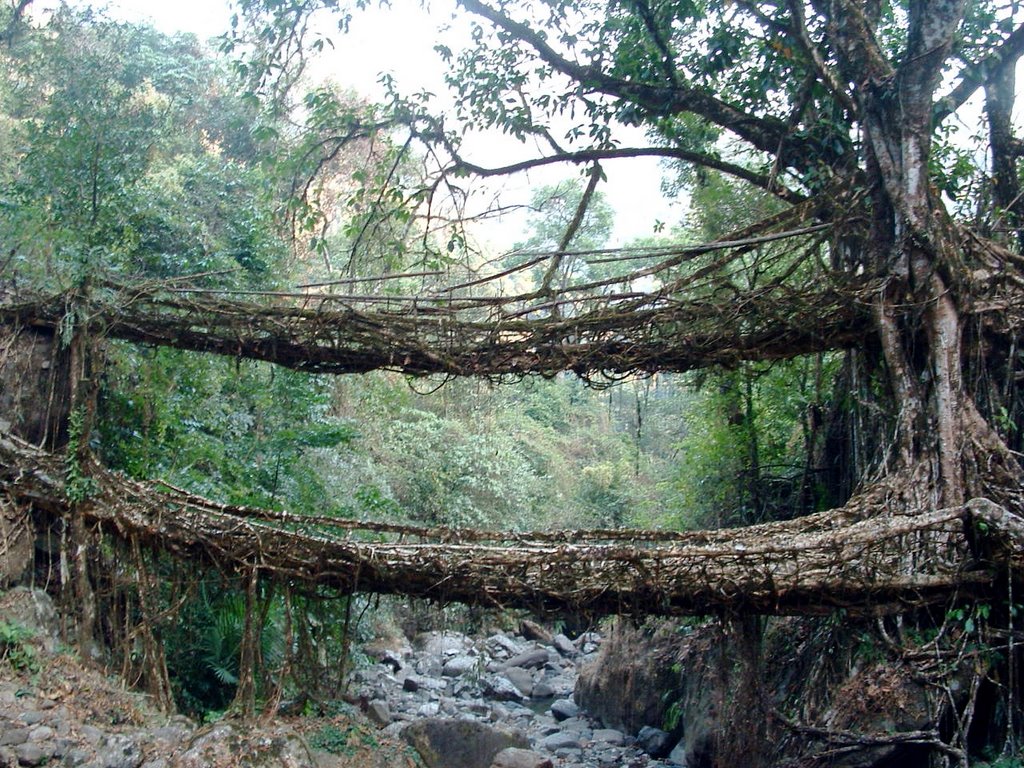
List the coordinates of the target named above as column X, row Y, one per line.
column 918, row 251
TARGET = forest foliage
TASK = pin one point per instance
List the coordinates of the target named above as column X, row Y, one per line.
column 141, row 157
column 141, row 160
column 135, row 156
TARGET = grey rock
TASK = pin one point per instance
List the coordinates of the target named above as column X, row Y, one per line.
column 31, row 753
column 538, row 657
column 563, row 709
column 564, row 645
column 678, row 754
column 391, row 660
column 159, row 762
column 41, row 733
column 560, row 740
column 466, row 687
column 32, row 717
column 119, row 751
column 462, row 743
column 13, row 737
column 476, row 707
column 378, row 713
column 91, row 734
column 524, row 717
column 32, row 609
column 224, row 744
column 170, row 735
column 76, row 757
column 543, row 690
column 610, row 736
column 522, row 679
column 449, row 706
column 441, row 644
column 410, row 685
column 430, row 709
column 654, row 741
column 578, row 725
column 430, row 667
column 503, row 646
column 500, row 688
column 513, row 757
column 459, row 665
column 531, row 630
column 433, row 684
column 62, row 746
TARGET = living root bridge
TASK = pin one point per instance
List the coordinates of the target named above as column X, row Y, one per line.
column 853, row 558
column 467, row 337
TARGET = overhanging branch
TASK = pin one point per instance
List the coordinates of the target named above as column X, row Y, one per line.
column 671, row 97
column 764, row 181
column 977, row 75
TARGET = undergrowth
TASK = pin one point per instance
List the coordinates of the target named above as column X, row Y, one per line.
column 16, row 649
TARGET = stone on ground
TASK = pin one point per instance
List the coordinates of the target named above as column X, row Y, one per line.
column 514, row 757
column 531, row 630
column 563, row 709
column 460, row 743
column 654, row 741
column 521, row 679
column 528, row 659
column 564, row 645
column 224, row 745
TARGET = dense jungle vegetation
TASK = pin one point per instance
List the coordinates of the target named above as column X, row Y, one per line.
column 135, row 157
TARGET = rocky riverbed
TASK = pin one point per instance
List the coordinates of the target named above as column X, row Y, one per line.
column 522, row 683
column 444, row 700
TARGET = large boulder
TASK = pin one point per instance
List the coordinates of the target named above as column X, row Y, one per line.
column 531, row 659
column 460, row 743
column 35, row 386
column 520, row 758
column 34, row 610
column 227, row 745
column 654, row 741
column 17, row 538
column 690, row 682
column 625, row 686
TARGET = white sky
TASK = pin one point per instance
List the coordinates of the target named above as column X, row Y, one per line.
column 400, row 42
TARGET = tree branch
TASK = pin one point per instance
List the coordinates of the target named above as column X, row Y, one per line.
column 643, row 9
column 572, row 229
column 591, row 155
column 853, row 35
column 763, row 133
column 977, row 75
column 826, row 74
column 17, row 12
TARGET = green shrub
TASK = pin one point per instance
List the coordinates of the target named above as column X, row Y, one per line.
column 16, row 649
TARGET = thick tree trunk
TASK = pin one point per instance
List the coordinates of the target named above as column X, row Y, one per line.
column 916, row 313
column 742, row 736
column 35, row 386
column 244, row 703
column 84, row 392
column 1000, row 94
